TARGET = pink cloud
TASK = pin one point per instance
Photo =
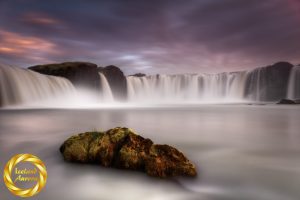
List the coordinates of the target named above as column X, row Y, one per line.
column 14, row 44
column 40, row 19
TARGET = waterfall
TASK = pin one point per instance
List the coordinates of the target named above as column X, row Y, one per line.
column 106, row 92
column 257, row 84
column 187, row 87
column 224, row 86
column 19, row 86
column 23, row 86
column 294, row 83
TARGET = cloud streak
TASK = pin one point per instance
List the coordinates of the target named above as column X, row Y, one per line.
column 14, row 45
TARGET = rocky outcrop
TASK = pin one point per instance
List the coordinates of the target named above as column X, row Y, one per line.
column 116, row 80
column 84, row 74
column 81, row 74
column 288, row 101
column 268, row 83
column 124, row 149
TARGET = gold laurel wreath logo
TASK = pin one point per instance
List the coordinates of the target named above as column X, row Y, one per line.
column 25, row 158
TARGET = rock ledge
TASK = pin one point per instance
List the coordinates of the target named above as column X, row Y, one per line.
column 289, row 101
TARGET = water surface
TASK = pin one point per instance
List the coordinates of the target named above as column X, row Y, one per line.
column 241, row 152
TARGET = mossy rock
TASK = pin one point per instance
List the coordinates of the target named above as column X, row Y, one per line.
column 133, row 153
column 76, row 148
column 164, row 161
column 123, row 148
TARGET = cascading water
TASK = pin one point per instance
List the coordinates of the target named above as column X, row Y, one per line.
column 106, row 93
column 256, row 84
column 187, row 87
column 19, row 86
column 294, row 83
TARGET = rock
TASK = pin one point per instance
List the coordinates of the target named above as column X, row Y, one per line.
column 133, row 153
column 116, row 80
column 165, row 161
column 124, row 149
column 81, row 74
column 77, row 147
column 138, row 75
column 272, row 80
column 288, row 101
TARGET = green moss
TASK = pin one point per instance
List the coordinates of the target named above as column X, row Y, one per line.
column 76, row 148
column 118, row 134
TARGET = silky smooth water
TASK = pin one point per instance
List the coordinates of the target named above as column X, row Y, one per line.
column 242, row 152
column 18, row 86
column 24, row 87
column 223, row 87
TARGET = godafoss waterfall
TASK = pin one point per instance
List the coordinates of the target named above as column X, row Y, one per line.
column 244, row 146
column 266, row 84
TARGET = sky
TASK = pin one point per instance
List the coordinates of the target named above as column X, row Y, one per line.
column 151, row 36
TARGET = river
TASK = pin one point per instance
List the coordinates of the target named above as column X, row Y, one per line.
column 242, row 152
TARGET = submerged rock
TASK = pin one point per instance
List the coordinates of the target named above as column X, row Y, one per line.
column 124, row 149
column 288, row 101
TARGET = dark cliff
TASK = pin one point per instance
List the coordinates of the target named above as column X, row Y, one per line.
column 81, row 74
column 116, row 80
column 84, row 74
column 268, row 83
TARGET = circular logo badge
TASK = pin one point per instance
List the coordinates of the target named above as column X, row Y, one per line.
column 16, row 176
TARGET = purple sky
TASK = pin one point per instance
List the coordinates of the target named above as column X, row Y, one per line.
column 151, row 36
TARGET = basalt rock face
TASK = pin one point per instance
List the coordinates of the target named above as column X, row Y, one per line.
column 116, row 80
column 81, row 74
column 268, row 83
column 124, row 149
